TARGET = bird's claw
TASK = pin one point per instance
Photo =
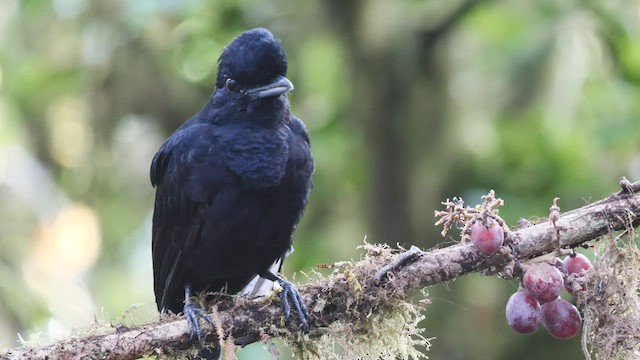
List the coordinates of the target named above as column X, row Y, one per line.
column 290, row 295
column 192, row 312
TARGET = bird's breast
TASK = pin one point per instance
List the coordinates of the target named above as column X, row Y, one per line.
column 257, row 156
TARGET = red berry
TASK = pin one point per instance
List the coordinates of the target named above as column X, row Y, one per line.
column 487, row 239
column 523, row 313
column 561, row 319
column 543, row 281
column 577, row 263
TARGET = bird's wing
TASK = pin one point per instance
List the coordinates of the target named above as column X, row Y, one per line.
column 300, row 154
column 183, row 188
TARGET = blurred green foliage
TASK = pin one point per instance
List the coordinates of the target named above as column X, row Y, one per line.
column 408, row 103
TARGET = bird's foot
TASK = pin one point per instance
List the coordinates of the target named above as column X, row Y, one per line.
column 289, row 296
column 192, row 312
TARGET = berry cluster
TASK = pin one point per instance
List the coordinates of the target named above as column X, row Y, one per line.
column 538, row 300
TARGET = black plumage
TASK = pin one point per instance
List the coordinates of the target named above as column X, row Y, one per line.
column 231, row 183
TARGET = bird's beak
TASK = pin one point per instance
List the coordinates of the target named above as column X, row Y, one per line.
column 280, row 86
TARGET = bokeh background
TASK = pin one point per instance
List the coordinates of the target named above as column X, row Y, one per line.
column 408, row 103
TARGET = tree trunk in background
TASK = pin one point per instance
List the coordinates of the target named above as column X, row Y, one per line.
column 400, row 103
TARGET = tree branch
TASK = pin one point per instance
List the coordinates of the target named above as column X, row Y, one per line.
column 366, row 287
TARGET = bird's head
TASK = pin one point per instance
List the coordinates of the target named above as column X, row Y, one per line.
column 254, row 66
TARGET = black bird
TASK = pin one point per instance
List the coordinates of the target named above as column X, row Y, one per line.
column 231, row 185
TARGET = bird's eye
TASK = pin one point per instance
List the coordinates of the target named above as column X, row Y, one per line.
column 231, row 85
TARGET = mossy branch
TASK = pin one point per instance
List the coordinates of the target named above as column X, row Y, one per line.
column 354, row 291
